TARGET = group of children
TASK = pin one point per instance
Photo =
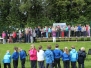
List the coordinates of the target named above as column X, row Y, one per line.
column 48, row 58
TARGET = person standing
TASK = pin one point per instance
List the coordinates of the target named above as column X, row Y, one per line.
column 54, row 34
column 57, row 55
column 40, row 57
column 81, row 57
column 22, row 57
column 73, row 57
column 49, row 58
column 15, row 57
column 14, row 35
column 66, row 58
column 7, row 60
column 33, row 56
column 4, row 37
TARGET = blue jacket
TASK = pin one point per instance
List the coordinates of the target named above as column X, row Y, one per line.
column 22, row 54
column 7, row 58
column 57, row 53
column 79, row 28
column 73, row 55
column 49, row 58
column 15, row 56
column 65, row 56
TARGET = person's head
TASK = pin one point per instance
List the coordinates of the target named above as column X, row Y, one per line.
column 19, row 49
column 49, row 47
column 56, row 46
column 66, row 50
column 82, row 49
column 32, row 46
column 8, row 51
column 73, row 47
column 39, row 48
column 16, row 49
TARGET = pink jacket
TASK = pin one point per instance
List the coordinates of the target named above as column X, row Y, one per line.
column 3, row 35
column 33, row 54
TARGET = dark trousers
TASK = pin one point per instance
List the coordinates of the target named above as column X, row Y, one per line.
column 15, row 63
column 23, row 63
column 33, row 63
column 34, row 39
column 49, row 65
column 72, row 33
column 57, row 63
column 41, row 64
column 73, row 64
column 7, row 65
column 66, row 64
column 81, row 65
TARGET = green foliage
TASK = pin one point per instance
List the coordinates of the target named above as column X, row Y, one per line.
column 21, row 13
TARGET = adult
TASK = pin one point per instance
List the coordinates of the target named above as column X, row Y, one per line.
column 49, row 58
column 4, row 37
column 54, row 34
column 33, row 56
column 15, row 57
column 73, row 57
column 7, row 60
column 22, row 57
column 66, row 58
column 57, row 55
column 40, row 57
column 14, row 35
column 81, row 57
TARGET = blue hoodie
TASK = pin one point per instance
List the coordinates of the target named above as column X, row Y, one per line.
column 22, row 54
column 7, row 58
column 49, row 58
column 15, row 56
column 57, row 53
column 65, row 56
column 73, row 55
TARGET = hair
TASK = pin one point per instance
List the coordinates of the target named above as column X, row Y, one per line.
column 49, row 47
column 16, row 49
column 73, row 47
column 40, row 47
column 66, row 50
column 33, row 45
column 56, row 45
column 82, row 49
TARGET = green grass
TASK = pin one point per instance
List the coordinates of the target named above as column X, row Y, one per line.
column 26, row 46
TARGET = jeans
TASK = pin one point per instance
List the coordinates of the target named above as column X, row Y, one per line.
column 33, row 63
column 41, row 64
column 49, row 65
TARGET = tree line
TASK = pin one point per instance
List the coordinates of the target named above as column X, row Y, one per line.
column 23, row 13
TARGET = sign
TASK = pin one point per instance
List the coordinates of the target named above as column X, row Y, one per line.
column 60, row 24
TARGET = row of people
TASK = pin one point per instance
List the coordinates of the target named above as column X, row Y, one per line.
column 50, row 57
column 30, row 34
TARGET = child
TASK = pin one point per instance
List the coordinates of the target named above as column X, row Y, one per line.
column 81, row 57
column 15, row 57
column 7, row 60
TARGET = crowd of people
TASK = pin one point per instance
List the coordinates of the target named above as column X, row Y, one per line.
column 46, row 58
column 30, row 34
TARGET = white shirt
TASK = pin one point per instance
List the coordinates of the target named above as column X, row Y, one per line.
column 40, row 55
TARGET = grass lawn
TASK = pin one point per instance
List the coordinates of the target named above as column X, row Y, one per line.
column 26, row 46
